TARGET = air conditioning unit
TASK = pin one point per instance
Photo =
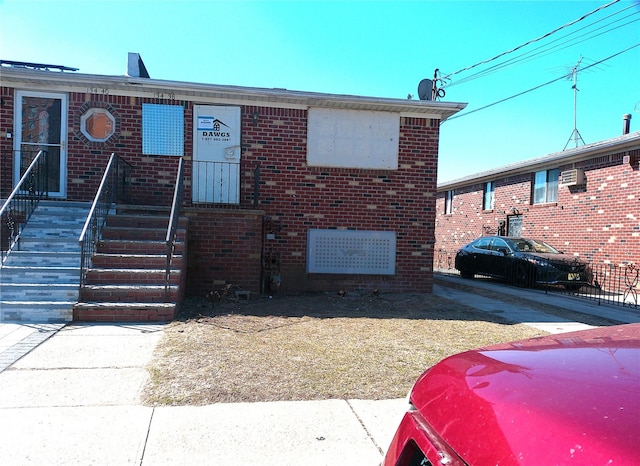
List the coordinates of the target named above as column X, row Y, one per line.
column 574, row 177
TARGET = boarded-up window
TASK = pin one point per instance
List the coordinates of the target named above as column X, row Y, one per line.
column 162, row 129
column 352, row 139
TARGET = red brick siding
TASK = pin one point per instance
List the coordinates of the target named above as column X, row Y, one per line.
column 227, row 247
column 599, row 221
column 6, row 144
column 153, row 176
column 224, row 248
column 299, row 198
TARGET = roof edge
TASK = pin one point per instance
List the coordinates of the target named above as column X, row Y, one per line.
column 619, row 143
column 429, row 109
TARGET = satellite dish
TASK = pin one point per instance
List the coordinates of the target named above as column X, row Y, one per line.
column 424, row 89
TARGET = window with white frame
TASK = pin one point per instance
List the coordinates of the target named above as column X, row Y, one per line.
column 545, row 186
column 448, row 203
column 489, row 195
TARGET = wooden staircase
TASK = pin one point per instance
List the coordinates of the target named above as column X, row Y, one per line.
column 126, row 280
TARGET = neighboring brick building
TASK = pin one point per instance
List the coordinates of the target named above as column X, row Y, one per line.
column 584, row 201
column 292, row 190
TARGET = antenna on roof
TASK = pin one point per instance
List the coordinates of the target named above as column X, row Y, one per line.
column 575, row 135
column 425, row 89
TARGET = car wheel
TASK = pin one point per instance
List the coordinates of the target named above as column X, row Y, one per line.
column 466, row 274
column 523, row 274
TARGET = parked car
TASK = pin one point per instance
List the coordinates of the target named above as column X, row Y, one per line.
column 521, row 261
column 567, row 399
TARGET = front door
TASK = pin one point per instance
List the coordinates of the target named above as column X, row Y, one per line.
column 216, row 154
column 41, row 124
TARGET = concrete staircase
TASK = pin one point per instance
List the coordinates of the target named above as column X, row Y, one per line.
column 126, row 281
column 40, row 279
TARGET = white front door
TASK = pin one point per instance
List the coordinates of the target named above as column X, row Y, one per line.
column 216, row 154
column 41, row 124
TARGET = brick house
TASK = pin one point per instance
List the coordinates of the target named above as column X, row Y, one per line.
column 283, row 190
column 584, row 201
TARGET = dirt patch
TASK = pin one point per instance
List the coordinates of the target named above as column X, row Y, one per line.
column 317, row 346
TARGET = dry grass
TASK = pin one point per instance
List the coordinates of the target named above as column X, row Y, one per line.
column 313, row 347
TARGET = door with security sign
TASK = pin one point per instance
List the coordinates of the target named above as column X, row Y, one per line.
column 216, row 154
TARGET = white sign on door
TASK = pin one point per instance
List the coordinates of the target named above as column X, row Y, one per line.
column 216, row 154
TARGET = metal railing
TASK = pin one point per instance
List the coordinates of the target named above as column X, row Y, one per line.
column 172, row 228
column 113, row 187
column 23, row 200
column 611, row 284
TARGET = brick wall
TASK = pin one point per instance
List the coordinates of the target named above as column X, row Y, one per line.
column 6, row 144
column 297, row 198
column 153, row 177
column 600, row 220
column 226, row 245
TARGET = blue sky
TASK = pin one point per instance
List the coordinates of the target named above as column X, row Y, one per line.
column 370, row 48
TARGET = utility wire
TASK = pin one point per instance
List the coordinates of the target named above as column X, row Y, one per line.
column 547, row 50
column 541, row 85
column 532, row 40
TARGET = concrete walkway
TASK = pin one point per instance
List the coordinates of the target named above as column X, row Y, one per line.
column 71, row 395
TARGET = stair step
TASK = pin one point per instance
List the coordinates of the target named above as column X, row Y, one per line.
column 127, row 233
column 136, row 247
column 143, row 221
column 128, row 312
column 39, row 292
column 129, row 293
column 51, row 244
column 43, row 259
column 37, row 311
column 135, row 261
column 42, row 275
column 130, row 276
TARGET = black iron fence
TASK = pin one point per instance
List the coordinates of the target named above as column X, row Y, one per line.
column 611, row 284
column 23, row 200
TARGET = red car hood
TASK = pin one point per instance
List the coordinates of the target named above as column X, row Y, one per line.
column 572, row 398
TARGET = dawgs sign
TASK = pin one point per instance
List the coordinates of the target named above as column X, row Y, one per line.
column 216, row 157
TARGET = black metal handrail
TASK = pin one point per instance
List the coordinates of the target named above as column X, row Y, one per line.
column 113, row 187
column 172, row 228
column 23, row 200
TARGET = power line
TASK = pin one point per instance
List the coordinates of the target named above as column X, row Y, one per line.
column 541, row 85
column 532, row 40
column 547, row 48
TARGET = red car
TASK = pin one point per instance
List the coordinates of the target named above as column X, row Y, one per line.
column 566, row 399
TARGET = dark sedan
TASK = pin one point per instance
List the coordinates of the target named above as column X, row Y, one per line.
column 521, row 261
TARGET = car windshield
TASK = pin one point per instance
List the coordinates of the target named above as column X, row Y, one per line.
column 530, row 245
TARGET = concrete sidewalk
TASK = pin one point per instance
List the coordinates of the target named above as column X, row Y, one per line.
column 73, row 397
